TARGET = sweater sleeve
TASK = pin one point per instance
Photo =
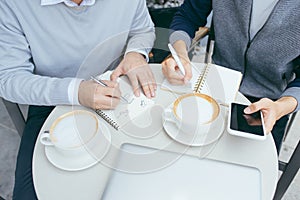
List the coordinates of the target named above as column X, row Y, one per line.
column 191, row 15
column 142, row 33
column 18, row 83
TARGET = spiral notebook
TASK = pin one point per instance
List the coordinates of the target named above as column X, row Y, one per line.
column 125, row 111
column 219, row 82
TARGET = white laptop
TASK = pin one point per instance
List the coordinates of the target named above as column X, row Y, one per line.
column 186, row 178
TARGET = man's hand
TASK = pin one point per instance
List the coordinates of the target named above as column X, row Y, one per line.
column 138, row 71
column 170, row 68
column 96, row 96
column 272, row 110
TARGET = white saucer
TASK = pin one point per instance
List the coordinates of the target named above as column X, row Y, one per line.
column 84, row 161
column 216, row 130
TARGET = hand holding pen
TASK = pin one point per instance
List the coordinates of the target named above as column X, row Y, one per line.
column 176, row 58
column 177, row 69
column 101, row 82
column 99, row 96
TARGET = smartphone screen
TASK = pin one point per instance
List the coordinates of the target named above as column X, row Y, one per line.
column 249, row 123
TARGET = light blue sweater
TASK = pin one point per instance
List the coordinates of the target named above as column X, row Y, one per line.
column 43, row 47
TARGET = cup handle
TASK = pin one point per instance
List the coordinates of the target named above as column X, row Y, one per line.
column 45, row 139
column 168, row 116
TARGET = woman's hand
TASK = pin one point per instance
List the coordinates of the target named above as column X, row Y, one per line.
column 272, row 110
column 170, row 68
column 138, row 71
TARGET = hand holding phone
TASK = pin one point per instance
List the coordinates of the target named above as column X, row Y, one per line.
column 245, row 125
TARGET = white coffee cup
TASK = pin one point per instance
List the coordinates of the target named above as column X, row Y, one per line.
column 193, row 113
column 72, row 133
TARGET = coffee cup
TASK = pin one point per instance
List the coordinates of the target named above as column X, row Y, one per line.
column 192, row 113
column 72, row 133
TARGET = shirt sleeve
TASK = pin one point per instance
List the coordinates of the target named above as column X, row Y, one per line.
column 18, row 83
column 142, row 33
column 191, row 15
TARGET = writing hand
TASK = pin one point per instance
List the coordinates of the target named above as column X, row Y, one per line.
column 170, row 67
column 96, row 96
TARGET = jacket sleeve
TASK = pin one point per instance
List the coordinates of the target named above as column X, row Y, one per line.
column 191, row 15
column 293, row 88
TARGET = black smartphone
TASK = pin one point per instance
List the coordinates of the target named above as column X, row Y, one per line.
column 246, row 125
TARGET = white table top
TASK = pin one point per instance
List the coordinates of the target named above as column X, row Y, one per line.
column 53, row 183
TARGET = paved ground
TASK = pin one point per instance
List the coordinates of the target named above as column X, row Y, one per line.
column 9, row 143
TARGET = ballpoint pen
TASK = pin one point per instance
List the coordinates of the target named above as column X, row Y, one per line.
column 105, row 85
column 176, row 58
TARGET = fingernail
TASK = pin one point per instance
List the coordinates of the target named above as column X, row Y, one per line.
column 247, row 110
column 137, row 94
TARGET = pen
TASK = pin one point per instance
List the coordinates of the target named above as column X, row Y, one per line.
column 105, row 85
column 176, row 58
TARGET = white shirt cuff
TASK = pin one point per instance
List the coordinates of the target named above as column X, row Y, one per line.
column 73, row 91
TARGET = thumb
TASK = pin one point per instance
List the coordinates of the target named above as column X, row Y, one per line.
column 116, row 73
column 171, row 64
column 188, row 72
column 254, row 107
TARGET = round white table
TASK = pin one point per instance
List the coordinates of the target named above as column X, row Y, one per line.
column 53, row 183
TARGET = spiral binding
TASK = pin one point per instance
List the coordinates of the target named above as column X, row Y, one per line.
column 107, row 119
column 201, row 80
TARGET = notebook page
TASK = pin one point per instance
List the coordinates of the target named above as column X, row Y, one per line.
column 126, row 112
column 219, row 82
column 223, row 83
column 197, row 69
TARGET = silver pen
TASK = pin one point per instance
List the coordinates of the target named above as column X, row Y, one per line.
column 105, row 85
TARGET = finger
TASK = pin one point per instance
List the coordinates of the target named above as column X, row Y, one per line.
column 259, row 105
column 172, row 76
column 112, row 92
column 147, row 90
column 147, row 84
column 188, row 72
column 176, row 77
column 171, row 70
column 152, row 89
column 171, row 64
column 107, row 91
column 114, row 102
column 134, row 84
column 175, row 81
column 116, row 73
column 166, row 68
column 252, row 121
column 268, row 127
column 111, row 84
column 107, row 102
column 174, row 71
column 269, row 121
column 153, row 82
